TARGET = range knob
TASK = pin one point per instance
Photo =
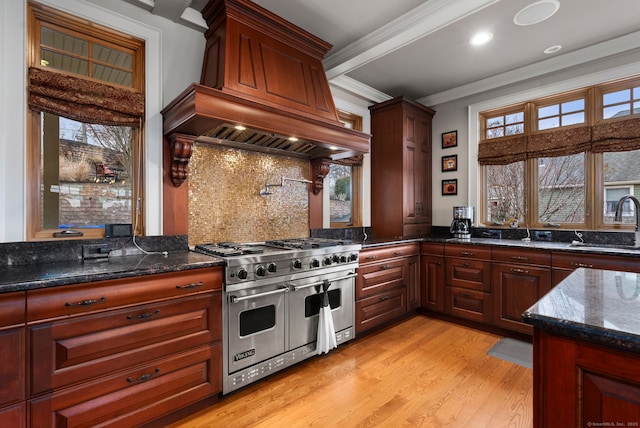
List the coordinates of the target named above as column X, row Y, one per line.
column 261, row 271
column 336, row 258
column 343, row 259
column 297, row 264
column 353, row 257
column 272, row 267
column 242, row 273
column 326, row 261
column 315, row 263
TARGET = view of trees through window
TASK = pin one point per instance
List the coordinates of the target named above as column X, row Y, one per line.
column 88, row 183
column 340, row 193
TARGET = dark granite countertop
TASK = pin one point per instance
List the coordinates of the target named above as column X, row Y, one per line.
column 50, row 274
column 600, row 306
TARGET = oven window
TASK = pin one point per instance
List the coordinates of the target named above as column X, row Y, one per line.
column 313, row 303
column 256, row 320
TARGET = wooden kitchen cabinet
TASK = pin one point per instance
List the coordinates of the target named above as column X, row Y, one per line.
column 520, row 278
column 468, row 282
column 565, row 262
column 12, row 357
column 580, row 384
column 127, row 351
column 382, row 284
column 401, row 169
column 413, row 283
column 432, row 276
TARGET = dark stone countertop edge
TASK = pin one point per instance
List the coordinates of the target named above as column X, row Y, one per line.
column 590, row 333
column 174, row 262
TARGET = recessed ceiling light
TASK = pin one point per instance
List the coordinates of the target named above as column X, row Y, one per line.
column 240, row 127
column 481, row 38
column 552, row 49
column 536, row 12
column 293, row 138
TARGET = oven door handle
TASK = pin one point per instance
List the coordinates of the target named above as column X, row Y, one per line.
column 315, row 284
column 236, row 299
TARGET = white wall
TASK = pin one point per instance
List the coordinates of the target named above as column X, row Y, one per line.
column 173, row 60
column 461, row 115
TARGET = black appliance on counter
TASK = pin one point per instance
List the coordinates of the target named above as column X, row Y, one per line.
column 462, row 222
column 272, row 295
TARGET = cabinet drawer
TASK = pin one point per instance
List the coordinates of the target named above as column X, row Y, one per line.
column 12, row 366
column 468, row 251
column 377, row 254
column 136, row 396
column 568, row 260
column 380, row 309
column 97, row 296
column 12, row 307
column 469, row 304
column 519, row 255
column 75, row 350
column 380, row 277
column 432, row 248
column 467, row 273
column 14, row 416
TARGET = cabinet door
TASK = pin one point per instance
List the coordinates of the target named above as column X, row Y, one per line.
column 413, row 283
column 516, row 288
column 432, row 283
column 12, row 363
column 416, row 165
column 13, row 416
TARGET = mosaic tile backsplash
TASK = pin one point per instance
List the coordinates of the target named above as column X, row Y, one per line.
column 225, row 202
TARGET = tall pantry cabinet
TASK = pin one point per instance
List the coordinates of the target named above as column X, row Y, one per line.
column 400, row 169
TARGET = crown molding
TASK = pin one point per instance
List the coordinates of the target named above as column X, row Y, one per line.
column 596, row 52
column 413, row 25
column 360, row 89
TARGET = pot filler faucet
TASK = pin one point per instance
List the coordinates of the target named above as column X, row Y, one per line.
column 618, row 217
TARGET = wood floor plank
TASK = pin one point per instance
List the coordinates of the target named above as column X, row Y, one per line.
column 419, row 373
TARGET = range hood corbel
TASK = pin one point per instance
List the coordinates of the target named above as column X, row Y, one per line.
column 265, row 74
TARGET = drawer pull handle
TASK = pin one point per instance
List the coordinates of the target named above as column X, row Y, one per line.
column 144, row 315
column 466, row 264
column 519, row 258
column 581, row 265
column 519, row 270
column 467, row 294
column 144, row 377
column 383, row 298
column 398, row 253
column 192, row 285
column 371, row 257
column 466, row 253
column 385, row 267
column 86, row 302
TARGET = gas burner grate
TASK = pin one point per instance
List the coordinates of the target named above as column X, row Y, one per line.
column 227, row 249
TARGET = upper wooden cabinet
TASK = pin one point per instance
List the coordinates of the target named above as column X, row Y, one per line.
column 401, row 169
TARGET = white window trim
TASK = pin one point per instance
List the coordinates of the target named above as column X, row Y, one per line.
column 474, row 184
column 13, row 39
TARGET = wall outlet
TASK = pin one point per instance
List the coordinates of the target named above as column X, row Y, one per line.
column 95, row 251
column 542, row 235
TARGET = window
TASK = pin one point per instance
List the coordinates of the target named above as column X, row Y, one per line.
column 571, row 167
column 505, row 124
column 345, row 178
column 86, row 111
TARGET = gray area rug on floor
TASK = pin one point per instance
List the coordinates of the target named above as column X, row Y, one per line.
column 514, row 351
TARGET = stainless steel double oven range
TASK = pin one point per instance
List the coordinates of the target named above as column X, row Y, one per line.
column 272, row 297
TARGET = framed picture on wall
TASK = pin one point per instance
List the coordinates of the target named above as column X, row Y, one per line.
column 449, row 163
column 449, row 139
column 450, row 187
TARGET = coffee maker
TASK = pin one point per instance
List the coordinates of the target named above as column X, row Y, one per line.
column 462, row 221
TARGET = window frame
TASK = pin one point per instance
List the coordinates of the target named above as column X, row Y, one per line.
column 594, row 174
column 39, row 15
column 354, row 122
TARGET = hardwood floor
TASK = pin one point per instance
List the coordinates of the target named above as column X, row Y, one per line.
column 421, row 372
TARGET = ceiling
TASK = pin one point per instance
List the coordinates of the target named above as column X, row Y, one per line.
column 420, row 49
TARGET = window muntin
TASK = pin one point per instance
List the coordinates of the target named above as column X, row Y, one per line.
column 83, row 175
column 506, row 124
column 561, row 114
column 621, row 103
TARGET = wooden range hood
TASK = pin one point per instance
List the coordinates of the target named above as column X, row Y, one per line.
column 265, row 74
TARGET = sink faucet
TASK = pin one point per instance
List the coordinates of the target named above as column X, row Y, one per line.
column 618, row 216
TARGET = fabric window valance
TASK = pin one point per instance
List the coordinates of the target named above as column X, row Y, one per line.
column 84, row 100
